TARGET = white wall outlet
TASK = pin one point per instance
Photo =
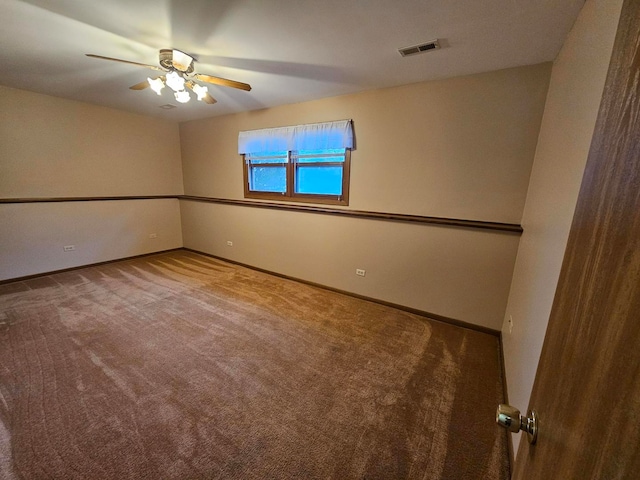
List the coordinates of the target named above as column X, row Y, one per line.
column 153, row 235
column 69, row 248
column 510, row 324
column 229, row 243
column 360, row 272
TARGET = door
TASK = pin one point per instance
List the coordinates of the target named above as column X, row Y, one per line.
column 587, row 388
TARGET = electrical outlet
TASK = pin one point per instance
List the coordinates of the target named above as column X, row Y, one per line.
column 360, row 272
column 510, row 324
column 153, row 235
column 69, row 248
column 229, row 243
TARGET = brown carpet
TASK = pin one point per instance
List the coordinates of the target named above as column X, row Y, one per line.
column 180, row 366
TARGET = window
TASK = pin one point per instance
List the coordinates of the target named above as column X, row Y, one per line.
column 320, row 176
column 310, row 163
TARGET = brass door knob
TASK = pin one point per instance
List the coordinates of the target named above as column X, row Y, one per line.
column 509, row 417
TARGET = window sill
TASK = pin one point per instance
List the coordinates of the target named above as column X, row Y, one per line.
column 311, row 199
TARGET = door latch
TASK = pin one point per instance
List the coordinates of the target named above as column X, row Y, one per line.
column 510, row 418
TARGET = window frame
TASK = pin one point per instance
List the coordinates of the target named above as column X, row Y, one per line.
column 290, row 195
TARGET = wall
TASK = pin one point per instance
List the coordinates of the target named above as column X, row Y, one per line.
column 35, row 234
column 577, row 82
column 460, row 148
column 51, row 147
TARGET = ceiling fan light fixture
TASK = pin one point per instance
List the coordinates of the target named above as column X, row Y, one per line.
column 175, row 81
column 177, row 72
column 182, row 96
column 200, row 91
column 156, row 84
column 181, row 61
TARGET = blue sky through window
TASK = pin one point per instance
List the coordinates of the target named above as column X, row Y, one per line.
column 268, row 174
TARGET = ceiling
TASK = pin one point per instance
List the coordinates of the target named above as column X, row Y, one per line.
column 288, row 50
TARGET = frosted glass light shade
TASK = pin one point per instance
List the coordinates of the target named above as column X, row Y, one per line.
column 182, row 96
column 156, row 84
column 200, row 91
column 181, row 60
column 175, row 81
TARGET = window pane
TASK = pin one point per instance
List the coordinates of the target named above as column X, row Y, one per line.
column 334, row 151
column 313, row 156
column 319, row 180
column 268, row 179
column 264, row 161
column 267, row 157
column 339, row 158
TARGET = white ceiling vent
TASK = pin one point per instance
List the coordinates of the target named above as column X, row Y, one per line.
column 168, row 106
column 423, row 47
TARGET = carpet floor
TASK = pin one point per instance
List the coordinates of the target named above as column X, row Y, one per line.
column 179, row 366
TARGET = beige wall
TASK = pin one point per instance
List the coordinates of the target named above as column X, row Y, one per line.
column 405, row 264
column 33, row 235
column 575, row 91
column 51, row 147
column 459, row 148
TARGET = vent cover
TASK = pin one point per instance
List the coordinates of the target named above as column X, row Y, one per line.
column 423, row 47
column 168, row 106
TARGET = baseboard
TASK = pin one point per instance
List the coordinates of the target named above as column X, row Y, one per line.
column 52, row 272
column 422, row 313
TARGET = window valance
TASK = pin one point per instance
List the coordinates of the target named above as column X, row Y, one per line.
column 314, row 136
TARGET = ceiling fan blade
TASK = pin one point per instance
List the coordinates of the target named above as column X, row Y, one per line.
column 209, row 99
column 140, row 86
column 223, row 81
column 153, row 67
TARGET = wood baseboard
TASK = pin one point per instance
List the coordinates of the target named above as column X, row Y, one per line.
column 422, row 313
column 70, row 269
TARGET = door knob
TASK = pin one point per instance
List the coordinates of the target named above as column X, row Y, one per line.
column 510, row 418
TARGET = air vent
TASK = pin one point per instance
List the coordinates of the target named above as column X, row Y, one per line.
column 168, row 106
column 423, row 47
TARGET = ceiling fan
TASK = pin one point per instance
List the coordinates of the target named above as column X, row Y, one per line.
column 178, row 75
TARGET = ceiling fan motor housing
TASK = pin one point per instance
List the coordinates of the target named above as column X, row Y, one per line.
column 167, row 61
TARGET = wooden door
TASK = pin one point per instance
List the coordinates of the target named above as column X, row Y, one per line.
column 587, row 388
